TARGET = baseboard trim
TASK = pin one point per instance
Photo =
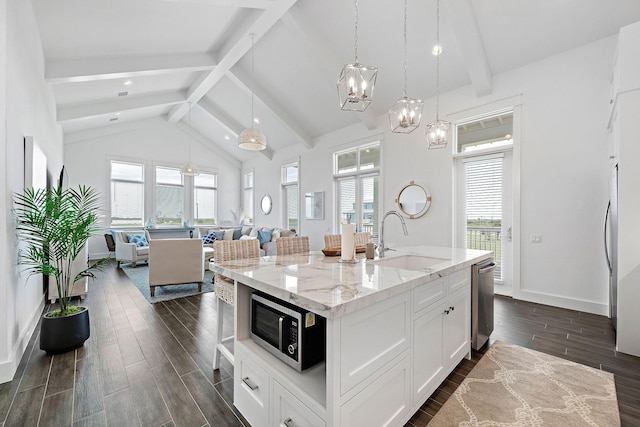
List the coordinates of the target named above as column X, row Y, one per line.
column 9, row 367
column 563, row 302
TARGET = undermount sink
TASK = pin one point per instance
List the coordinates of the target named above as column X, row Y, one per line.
column 410, row 262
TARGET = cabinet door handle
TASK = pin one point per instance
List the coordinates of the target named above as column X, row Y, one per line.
column 452, row 308
column 250, row 384
column 446, row 311
column 289, row 422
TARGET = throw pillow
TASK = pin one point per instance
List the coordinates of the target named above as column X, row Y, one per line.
column 247, row 238
column 209, row 238
column 274, row 235
column 264, row 237
column 139, row 239
column 237, row 232
column 219, row 234
column 228, row 234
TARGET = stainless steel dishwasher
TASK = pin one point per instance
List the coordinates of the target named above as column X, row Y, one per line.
column 481, row 302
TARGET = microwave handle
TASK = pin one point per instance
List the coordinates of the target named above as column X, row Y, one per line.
column 280, row 328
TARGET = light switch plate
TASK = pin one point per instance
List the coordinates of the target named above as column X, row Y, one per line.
column 536, row 238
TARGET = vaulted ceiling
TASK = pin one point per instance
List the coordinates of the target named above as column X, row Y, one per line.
column 122, row 61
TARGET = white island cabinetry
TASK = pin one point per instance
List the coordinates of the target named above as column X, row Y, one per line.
column 387, row 350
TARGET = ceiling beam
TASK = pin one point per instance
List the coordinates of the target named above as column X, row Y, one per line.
column 84, row 70
column 304, row 29
column 78, row 112
column 241, row 81
column 232, row 55
column 211, row 145
column 250, row 4
column 469, row 40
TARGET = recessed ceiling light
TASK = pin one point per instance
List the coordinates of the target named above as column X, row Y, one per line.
column 117, row 114
column 257, row 120
column 227, row 137
column 437, row 50
column 507, row 136
column 128, row 83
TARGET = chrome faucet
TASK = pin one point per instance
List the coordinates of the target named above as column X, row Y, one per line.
column 382, row 248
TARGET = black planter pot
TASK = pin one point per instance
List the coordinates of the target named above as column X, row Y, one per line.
column 62, row 334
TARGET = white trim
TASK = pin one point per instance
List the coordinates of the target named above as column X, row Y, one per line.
column 494, row 155
column 478, row 111
column 9, row 367
column 564, row 302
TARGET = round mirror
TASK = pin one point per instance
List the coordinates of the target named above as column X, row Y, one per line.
column 265, row 204
column 414, row 200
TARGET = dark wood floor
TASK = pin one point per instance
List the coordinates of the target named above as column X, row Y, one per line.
column 150, row 365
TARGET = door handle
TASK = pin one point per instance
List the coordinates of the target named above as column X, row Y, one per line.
column 289, row 422
column 509, row 237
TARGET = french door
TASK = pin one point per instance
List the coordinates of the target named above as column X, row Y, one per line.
column 358, row 201
column 485, row 210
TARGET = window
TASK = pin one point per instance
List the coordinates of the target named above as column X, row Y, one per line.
column 248, row 198
column 490, row 132
column 204, row 199
column 169, row 196
column 290, row 195
column 127, row 194
column 356, row 172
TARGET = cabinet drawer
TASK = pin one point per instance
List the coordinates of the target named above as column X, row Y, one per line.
column 459, row 280
column 251, row 390
column 384, row 403
column 429, row 293
column 288, row 411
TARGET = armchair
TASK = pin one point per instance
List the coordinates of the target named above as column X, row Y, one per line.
column 174, row 262
column 130, row 252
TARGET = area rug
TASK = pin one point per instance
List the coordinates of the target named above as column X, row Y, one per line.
column 515, row 386
column 140, row 277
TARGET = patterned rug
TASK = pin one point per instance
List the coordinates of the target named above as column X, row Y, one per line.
column 140, row 277
column 514, row 386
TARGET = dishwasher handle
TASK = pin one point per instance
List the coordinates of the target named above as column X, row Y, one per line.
column 487, row 268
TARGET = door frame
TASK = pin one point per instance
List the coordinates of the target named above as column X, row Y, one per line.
column 513, row 103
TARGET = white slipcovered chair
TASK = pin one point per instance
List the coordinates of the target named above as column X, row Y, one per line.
column 130, row 252
column 174, row 262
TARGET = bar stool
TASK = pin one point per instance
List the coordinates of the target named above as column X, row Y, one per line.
column 228, row 250
column 292, row 245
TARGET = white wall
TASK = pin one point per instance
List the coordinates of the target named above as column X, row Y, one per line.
column 26, row 108
column 563, row 174
column 151, row 142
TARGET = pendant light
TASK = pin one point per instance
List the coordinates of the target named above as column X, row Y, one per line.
column 356, row 81
column 405, row 115
column 438, row 131
column 251, row 138
column 189, row 169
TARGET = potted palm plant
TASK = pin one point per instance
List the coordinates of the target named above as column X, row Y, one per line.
column 54, row 226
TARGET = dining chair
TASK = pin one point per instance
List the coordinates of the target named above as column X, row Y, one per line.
column 292, row 245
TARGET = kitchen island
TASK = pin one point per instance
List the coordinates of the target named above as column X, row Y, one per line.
column 395, row 328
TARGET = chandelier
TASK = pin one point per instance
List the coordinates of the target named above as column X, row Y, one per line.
column 405, row 115
column 438, row 131
column 356, row 81
column 251, row 138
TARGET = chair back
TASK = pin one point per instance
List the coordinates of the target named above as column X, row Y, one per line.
column 229, row 250
column 335, row 240
column 292, row 245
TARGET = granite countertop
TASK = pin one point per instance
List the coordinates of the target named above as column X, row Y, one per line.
column 330, row 288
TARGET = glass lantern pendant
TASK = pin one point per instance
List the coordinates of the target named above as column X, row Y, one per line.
column 355, row 86
column 356, row 81
column 438, row 134
column 405, row 115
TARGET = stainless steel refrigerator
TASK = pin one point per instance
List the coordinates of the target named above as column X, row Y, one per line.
column 611, row 244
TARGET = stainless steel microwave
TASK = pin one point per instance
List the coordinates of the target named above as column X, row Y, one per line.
column 294, row 335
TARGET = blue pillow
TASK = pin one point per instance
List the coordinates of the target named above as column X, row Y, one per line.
column 264, row 237
column 219, row 234
column 209, row 238
column 237, row 232
column 138, row 239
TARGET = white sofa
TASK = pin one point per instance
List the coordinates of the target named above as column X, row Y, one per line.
column 130, row 252
column 248, row 231
column 174, row 262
